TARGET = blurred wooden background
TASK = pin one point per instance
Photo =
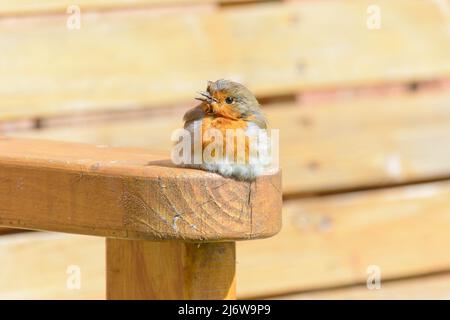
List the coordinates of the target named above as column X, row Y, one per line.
column 364, row 119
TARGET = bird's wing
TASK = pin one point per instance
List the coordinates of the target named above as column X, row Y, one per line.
column 259, row 119
column 193, row 114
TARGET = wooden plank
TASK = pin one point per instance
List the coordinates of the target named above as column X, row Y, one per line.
column 21, row 254
column 434, row 287
column 331, row 241
column 21, row 7
column 53, row 70
column 128, row 193
column 146, row 270
column 327, row 147
column 325, row 242
column 37, row 265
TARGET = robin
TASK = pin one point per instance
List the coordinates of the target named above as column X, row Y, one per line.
column 238, row 146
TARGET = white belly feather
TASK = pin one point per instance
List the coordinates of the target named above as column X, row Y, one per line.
column 259, row 163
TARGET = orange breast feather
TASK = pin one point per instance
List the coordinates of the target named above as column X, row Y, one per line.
column 224, row 124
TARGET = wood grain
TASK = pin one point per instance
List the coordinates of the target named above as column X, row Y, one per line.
column 331, row 241
column 21, row 254
column 325, row 242
column 347, row 144
column 277, row 48
column 432, row 287
column 138, row 269
column 33, row 7
column 128, row 193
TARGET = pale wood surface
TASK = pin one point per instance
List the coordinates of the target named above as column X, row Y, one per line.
column 29, row 7
column 325, row 242
column 147, row 270
column 34, row 265
column 433, row 287
column 329, row 146
column 24, row 255
column 155, row 57
column 331, row 241
column 128, row 193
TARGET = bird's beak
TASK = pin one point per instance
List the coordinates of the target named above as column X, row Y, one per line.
column 206, row 97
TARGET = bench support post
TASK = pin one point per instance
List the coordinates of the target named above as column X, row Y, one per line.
column 140, row 269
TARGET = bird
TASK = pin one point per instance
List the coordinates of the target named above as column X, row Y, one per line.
column 229, row 108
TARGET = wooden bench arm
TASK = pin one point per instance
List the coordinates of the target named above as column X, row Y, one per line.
column 128, row 193
column 131, row 194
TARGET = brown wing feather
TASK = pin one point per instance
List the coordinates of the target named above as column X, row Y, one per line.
column 193, row 114
column 259, row 119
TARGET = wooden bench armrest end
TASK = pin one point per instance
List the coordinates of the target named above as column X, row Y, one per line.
column 129, row 194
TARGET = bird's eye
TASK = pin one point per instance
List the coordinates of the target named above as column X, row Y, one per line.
column 229, row 100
